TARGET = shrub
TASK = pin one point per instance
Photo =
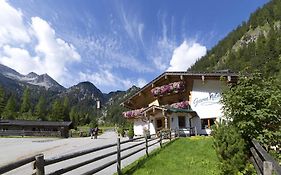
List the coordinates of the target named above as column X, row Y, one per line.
column 131, row 132
column 121, row 131
column 230, row 148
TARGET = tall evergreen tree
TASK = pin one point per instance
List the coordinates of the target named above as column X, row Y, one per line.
column 73, row 115
column 66, row 109
column 2, row 100
column 57, row 111
column 40, row 109
column 25, row 105
column 10, row 109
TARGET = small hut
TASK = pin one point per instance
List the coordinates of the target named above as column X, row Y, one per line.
column 35, row 128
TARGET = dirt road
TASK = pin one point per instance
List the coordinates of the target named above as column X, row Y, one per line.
column 12, row 149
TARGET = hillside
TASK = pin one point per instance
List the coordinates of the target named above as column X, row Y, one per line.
column 254, row 45
column 48, row 100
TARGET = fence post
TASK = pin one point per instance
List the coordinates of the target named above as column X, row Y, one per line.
column 118, row 157
column 267, row 168
column 146, row 146
column 195, row 130
column 170, row 134
column 161, row 139
column 40, row 164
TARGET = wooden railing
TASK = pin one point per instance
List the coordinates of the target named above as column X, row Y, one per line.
column 263, row 162
column 40, row 163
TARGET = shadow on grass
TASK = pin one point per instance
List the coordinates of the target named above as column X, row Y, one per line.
column 130, row 169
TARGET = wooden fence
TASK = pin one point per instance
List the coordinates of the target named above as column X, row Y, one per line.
column 40, row 163
column 263, row 162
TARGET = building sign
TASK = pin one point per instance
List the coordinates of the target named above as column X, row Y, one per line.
column 205, row 98
column 212, row 98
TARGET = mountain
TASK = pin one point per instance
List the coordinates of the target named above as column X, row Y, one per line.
column 112, row 111
column 81, row 98
column 30, row 79
column 253, row 45
column 84, row 93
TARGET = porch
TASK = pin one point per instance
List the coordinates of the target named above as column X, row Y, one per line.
column 156, row 119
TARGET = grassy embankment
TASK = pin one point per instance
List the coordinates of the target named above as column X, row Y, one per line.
column 193, row 155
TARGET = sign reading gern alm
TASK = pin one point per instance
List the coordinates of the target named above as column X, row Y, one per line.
column 205, row 98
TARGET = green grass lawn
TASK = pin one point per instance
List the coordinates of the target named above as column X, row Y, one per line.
column 194, row 156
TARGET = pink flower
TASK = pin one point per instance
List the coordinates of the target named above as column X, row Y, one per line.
column 168, row 88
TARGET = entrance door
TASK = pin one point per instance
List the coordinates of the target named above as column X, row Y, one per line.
column 181, row 120
column 159, row 124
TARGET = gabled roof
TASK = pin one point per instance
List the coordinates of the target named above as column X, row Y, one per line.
column 34, row 123
column 229, row 75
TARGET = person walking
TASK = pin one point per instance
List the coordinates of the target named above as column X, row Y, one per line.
column 96, row 131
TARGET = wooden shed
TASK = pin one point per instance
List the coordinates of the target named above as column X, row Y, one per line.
column 35, row 128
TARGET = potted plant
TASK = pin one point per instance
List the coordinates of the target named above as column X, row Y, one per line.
column 131, row 132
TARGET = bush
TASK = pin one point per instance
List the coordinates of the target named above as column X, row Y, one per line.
column 230, row 148
column 131, row 132
column 121, row 131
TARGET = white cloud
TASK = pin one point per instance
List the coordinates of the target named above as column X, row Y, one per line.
column 105, row 78
column 12, row 29
column 109, row 80
column 185, row 55
column 141, row 82
column 50, row 54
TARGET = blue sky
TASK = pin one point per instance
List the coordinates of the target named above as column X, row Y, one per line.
column 112, row 43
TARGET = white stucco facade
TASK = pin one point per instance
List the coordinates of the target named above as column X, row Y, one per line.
column 204, row 99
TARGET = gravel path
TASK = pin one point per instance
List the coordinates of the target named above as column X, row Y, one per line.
column 12, row 149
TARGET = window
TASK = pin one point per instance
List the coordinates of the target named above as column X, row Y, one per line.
column 207, row 123
column 181, row 122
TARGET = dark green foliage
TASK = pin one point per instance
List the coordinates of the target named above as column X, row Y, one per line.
column 40, row 110
column 57, row 111
column 254, row 107
column 10, row 109
column 93, row 124
column 73, row 115
column 2, row 100
column 25, row 105
column 131, row 131
column 230, row 148
column 66, row 109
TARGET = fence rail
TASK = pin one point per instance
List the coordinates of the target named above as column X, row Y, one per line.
column 263, row 162
column 40, row 163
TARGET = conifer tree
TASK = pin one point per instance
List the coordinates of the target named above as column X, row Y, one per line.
column 25, row 105
column 57, row 111
column 10, row 109
column 66, row 109
column 2, row 100
column 40, row 108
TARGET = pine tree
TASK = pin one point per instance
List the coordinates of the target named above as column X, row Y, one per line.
column 57, row 111
column 10, row 109
column 73, row 115
column 25, row 106
column 2, row 100
column 40, row 109
column 66, row 109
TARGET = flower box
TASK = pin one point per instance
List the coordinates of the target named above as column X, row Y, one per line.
column 174, row 87
column 180, row 105
column 133, row 113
